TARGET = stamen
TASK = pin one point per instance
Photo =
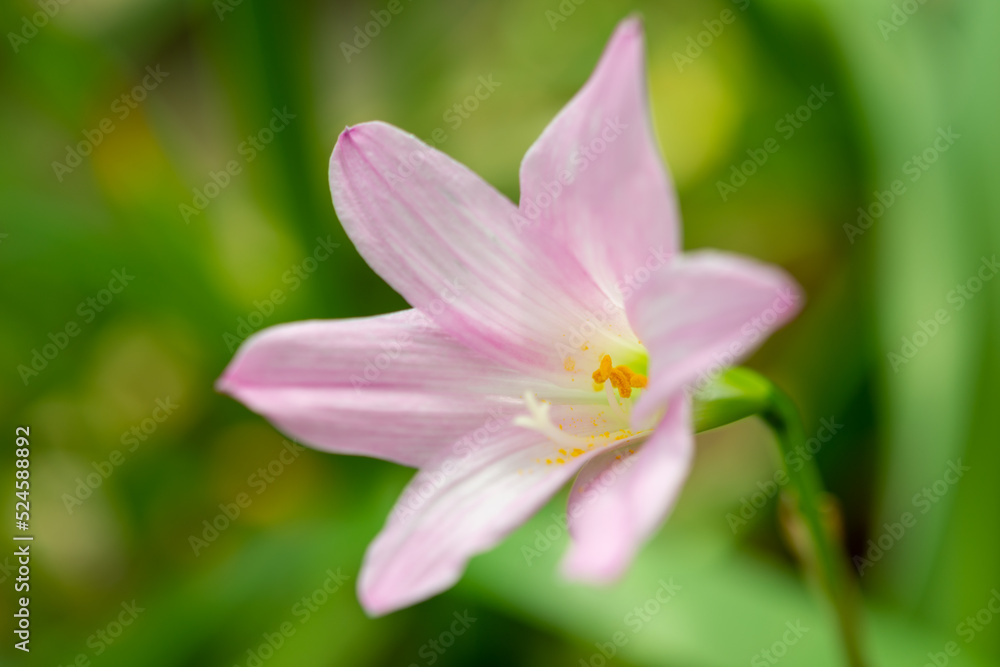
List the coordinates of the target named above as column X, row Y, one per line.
column 538, row 419
column 604, row 371
column 615, row 405
column 622, row 378
column 619, row 381
column 568, row 445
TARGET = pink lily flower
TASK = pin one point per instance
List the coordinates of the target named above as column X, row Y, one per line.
column 554, row 339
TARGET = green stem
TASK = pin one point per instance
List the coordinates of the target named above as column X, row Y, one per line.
column 739, row 393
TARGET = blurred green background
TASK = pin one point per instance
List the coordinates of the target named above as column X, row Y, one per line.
column 201, row 80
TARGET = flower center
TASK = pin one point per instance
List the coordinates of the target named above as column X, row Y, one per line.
column 567, row 444
column 622, row 378
column 579, row 424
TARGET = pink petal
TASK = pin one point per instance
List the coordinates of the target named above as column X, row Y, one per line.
column 461, row 505
column 594, row 184
column 706, row 311
column 445, row 240
column 393, row 387
column 619, row 500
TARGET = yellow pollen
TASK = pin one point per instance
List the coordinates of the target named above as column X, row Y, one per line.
column 604, row 371
column 568, row 363
column 620, row 382
column 622, row 378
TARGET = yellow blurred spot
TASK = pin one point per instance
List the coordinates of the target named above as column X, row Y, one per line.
column 703, row 129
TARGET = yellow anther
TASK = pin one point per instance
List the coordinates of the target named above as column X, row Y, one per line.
column 602, row 373
column 622, row 378
column 619, row 381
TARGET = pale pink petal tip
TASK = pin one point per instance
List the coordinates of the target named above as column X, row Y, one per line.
column 630, row 27
column 595, row 569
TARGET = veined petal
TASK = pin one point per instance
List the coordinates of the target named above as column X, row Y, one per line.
column 594, row 184
column 393, row 387
column 706, row 311
column 462, row 504
column 445, row 240
column 619, row 499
